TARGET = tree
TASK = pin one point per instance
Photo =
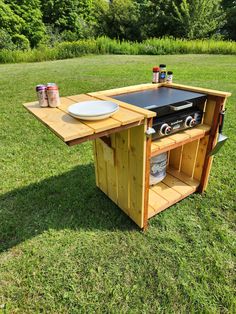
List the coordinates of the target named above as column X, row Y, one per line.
column 29, row 11
column 122, row 20
column 9, row 21
column 197, row 18
column 230, row 26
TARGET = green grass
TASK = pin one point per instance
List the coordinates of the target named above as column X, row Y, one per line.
column 105, row 45
column 66, row 248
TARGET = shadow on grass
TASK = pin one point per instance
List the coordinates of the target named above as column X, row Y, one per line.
column 70, row 200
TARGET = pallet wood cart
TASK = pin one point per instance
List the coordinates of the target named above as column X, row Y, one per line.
column 122, row 150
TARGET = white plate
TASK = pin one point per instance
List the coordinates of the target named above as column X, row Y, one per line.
column 92, row 109
column 93, row 118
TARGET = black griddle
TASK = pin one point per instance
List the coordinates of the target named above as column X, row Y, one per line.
column 160, row 99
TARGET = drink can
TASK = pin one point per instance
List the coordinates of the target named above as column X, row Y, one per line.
column 41, row 91
column 53, row 95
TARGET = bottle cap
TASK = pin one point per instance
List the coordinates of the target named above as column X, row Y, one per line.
column 169, row 72
column 40, row 87
column 156, row 69
column 162, row 65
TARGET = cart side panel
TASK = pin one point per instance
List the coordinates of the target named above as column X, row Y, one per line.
column 123, row 180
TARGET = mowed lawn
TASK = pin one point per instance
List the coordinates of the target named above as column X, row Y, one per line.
column 66, row 248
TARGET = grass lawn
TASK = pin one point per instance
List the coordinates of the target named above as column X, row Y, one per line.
column 66, row 248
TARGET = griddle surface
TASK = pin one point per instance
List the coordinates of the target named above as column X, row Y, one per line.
column 155, row 98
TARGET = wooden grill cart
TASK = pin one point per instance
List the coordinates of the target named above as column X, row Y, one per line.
column 122, row 150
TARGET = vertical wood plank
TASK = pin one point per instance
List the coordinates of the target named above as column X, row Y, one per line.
column 219, row 106
column 101, row 166
column 122, row 164
column 176, row 157
column 112, row 173
column 189, row 157
column 137, row 159
column 209, row 110
column 201, row 155
column 95, row 162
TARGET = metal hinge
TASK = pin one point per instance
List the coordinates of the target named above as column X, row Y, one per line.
column 150, row 131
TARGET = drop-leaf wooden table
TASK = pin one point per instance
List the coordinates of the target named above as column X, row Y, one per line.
column 122, row 150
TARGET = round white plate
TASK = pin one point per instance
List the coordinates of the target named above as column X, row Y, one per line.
column 93, row 109
column 93, row 118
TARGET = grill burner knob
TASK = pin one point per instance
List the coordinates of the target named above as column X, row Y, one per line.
column 190, row 122
column 165, row 129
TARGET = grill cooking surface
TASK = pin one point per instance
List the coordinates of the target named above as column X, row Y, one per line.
column 159, row 97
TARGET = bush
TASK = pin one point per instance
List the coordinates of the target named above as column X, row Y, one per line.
column 5, row 40
column 104, row 45
column 21, row 42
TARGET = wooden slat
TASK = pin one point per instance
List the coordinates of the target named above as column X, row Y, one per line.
column 183, row 177
column 136, row 175
column 220, row 105
column 176, row 157
column 104, row 133
column 101, row 167
column 63, row 125
column 156, row 201
column 178, row 185
column 166, row 192
column 122, row 164
column 199, row 90
column 123, row 116
column 201, row 155
column 162, row 143
column 175, row 140
column 126, row 89
column 97, row 126
column 111, row 170
column 189, row 155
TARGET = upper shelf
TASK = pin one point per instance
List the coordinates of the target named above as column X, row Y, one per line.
column 172, row 141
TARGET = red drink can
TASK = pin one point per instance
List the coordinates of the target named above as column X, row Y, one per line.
column 53, row 95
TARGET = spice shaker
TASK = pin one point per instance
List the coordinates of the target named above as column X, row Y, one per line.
column 162, row 77
column 155, row 77
column 41, row 91
column 53, row 95
column 169, row 77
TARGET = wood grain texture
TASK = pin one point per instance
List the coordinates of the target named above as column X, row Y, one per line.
column 199, row 90
column 181, row 138
column 189, row 155
column 64, row 126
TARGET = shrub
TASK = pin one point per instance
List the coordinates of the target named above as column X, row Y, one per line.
column 21, row 42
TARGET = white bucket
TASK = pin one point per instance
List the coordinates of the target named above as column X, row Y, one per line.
column 158, row 168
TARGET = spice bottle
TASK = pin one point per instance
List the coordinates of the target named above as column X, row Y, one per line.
column 155, row 77
column 53, row 95
column 169, row 77
column 162, row 77
column 41, row 91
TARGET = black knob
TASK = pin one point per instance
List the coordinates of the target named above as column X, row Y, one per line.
column 190, row 122
column 165, row 129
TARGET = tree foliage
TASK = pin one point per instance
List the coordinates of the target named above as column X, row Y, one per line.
column 50, row 21
column 197, row 18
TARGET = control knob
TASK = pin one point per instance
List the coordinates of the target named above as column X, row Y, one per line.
column 165, row 129
column 190, row 122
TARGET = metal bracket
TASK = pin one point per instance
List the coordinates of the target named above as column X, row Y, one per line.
column 150, row 131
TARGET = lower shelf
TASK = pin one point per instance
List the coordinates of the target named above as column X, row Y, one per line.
column 172, row 189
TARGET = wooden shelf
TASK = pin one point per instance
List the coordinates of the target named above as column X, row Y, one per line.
column 180, row 138
column 172, row 189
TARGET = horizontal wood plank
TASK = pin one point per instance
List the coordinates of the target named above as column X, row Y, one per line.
column 180, row 138
column 62, row 124
column 198, row 90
